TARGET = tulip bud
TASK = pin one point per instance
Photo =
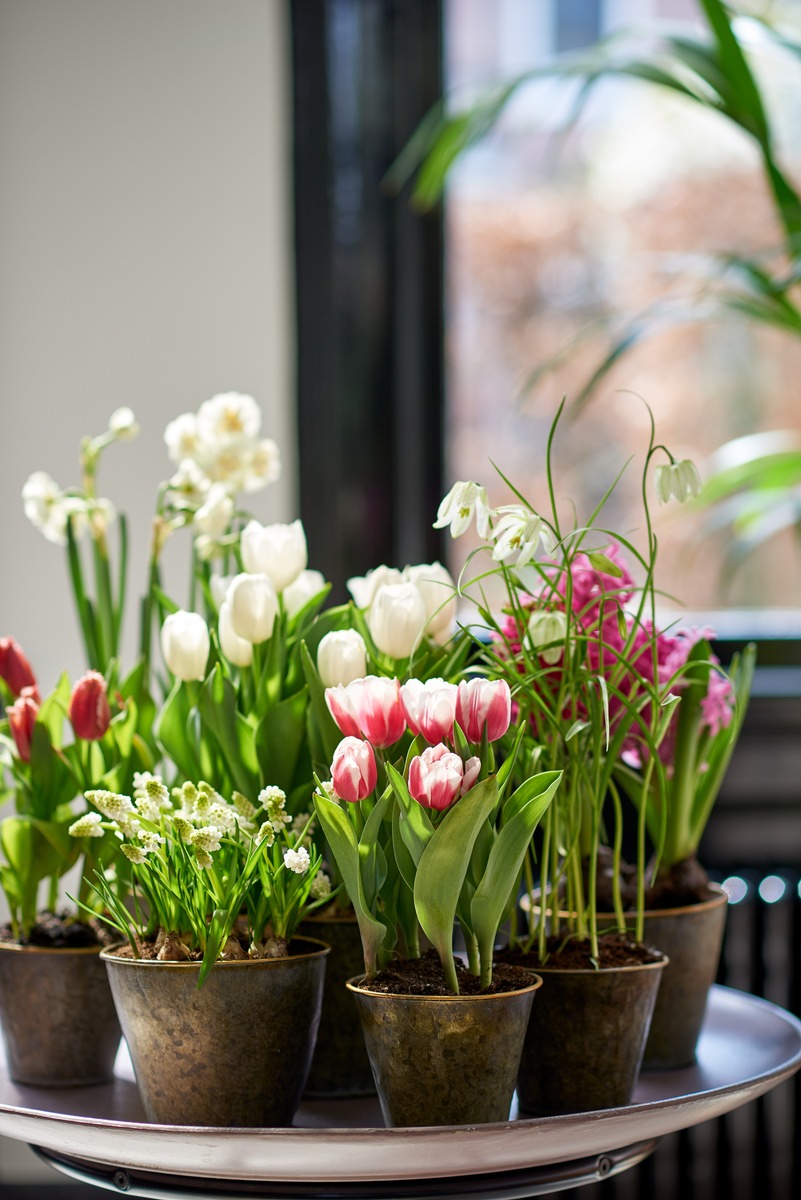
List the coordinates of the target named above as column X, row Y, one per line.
column 298, row 594
column 396, row 619
column 185, row 645
column 370, row 707
column 483, row 703
column 437, row 777
column 430, row 708
column 15, row 668
column 214, row 514
column 21, row 719
column 341, row 657
column 277, row 551
column 353, row 772
column 236, row 649
column 254, row 607
column 89, row 707
column 435, row 584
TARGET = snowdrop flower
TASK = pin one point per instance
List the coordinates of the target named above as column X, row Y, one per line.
column 89, row 825
column 185, row 644
column 341, row 657
column 297, row 860
column 236, row 649
column 298, row 594
column 679, row 479
column 123, row 424
column 435, row 584
column 397, row 619
column 277, row 551
column 463, row 502
column 182, row 439
column 545, row 629
column 227, row 418
column 364, row 587
column 517, row 535
column 214, row 514
column 254, row 607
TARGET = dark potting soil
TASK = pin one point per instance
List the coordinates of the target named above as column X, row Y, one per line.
column 60, row 931
column 684, row 883
column 424, row 977
column 574, row 955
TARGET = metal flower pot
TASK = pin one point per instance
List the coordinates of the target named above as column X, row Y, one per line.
column 340, row 1065
column 58, row 1020
column 691, row 937
column 444, row 1060
column 586, row 1037
column 234, row 1052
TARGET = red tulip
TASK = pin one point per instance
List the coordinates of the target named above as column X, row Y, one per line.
column 370, row 707
column 89, row 707
column 483, row 703
column 15, row 668
column 353, row 772
column 21, row 718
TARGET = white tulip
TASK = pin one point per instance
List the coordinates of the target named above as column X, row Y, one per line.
column 185, row 644
column 214, row 514
column 123, row 424
column 435, row 584
column 364, row 587
column 228, row 418
column 341, row 657
column 397, row 619
column 298, row 594
column 236, row 649
column 219, row 589
column 254, row 607
column 278, row 551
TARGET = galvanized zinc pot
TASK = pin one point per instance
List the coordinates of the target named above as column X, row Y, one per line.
column 340, row 1066
column 234, row 1052
column 444, row 1060
column 58, row 1020
column 586, row 1037
column 692, row 937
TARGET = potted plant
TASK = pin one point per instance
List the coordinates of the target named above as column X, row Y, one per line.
column 57, row 1015
column 424, row 833
column 218, row 999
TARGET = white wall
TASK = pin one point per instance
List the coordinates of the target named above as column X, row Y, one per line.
column 145, row 259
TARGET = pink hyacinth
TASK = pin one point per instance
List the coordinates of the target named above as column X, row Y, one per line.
column 717, row 706
column 430, row 708
column 368, row 707
column 353, row 772
column 437, row 777
column 483, row 703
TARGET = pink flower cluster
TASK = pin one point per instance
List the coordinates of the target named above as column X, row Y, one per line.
column 375, row 712
column 611, row 636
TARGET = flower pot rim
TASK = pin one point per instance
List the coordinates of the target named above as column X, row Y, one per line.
column 645, row 966
column 320, row 951
column 16, row 946
column 604, row 915
column 348, row 918
column 353, row 985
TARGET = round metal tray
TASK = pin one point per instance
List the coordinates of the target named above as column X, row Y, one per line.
column 747, row 1047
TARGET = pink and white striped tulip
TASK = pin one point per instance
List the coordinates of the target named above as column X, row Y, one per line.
column 368, row 707
column 484, row 703
column 430, row 708
column 353, row 772
column 437, row 777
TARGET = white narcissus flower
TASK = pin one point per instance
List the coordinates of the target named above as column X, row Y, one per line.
column 435, row 584
column 49, row 509
column 547, row 629
column 341, row 657
column 189, row 482
column 298, row 594
column 262, row 465
column 230, row 417
column 518, row 534
column 214, row 514
column 101, row 514
column 123, row 424
column 463, row 502
column 364, row 587
column 236, row 649
column 182, row 439
column 397, row 619
column 254, row 607
column 277, row 551
column 679, row 479
column 185, row 645
column 297, row 860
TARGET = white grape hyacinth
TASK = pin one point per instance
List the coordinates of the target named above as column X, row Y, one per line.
column 297, row 860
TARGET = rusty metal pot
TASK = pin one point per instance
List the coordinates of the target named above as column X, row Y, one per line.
column 234, row 1052
column 340, row 1065
column 444, row 1060
column 58, row 1019
column 586, row 1037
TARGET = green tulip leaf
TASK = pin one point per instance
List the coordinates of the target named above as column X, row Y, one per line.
column 234, row 736
column 279, row 739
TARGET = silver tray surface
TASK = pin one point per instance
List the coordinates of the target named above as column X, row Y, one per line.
column 747, row 1047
